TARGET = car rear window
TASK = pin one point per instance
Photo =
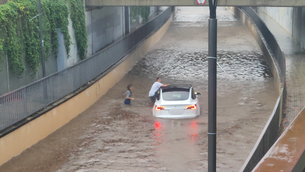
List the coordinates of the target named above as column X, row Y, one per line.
column 175, row 95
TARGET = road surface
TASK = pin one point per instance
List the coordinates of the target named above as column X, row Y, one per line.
column 110, row 136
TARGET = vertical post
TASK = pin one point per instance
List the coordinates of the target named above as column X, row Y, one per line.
column 42, row 52
column 41, row 39
column 127, row 20
column 212, row 87
column 7, row 74
column 24, row 100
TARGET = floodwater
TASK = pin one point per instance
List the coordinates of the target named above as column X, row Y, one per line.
column 295, row 62
column 110, row 136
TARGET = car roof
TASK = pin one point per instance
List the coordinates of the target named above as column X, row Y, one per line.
column 177, row 87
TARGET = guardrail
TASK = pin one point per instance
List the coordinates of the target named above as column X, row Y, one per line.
column 276, row 61
column 20, row 104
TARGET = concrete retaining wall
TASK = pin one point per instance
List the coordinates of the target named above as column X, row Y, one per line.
column 292, row 19
column 29, row 134
column 298, row 27
column 63, row 61
column 104, row 26
column 282, row 15
column 11, row 81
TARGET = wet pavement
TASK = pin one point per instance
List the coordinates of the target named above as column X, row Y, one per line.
column 110, row 136
column 295, row 70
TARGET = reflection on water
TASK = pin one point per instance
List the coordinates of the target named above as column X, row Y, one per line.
column 193, row 129
column 176, row 141
column 174, row 128
column 157, row 133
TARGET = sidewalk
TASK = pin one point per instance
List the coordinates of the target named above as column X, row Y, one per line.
column 295, row 68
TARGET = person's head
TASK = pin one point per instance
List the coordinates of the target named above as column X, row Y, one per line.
column 129, row 87
column 159, row 79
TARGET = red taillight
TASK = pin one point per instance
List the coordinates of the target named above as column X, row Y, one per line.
column 157, row 124
column 159, row 108
column 192, row 107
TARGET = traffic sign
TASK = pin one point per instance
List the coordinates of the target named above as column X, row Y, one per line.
column 200, row 2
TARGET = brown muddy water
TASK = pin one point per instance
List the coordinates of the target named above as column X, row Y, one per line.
column 110, row 136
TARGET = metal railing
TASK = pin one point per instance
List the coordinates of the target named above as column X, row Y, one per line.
column 271, row 49
column 20, row 104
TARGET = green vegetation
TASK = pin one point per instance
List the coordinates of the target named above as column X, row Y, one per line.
column 79, row 24
column 142, row 11
column 19, row 30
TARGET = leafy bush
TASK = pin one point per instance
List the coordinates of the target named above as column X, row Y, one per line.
column 20, row 30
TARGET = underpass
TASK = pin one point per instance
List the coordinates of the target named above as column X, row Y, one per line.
column 112, row 137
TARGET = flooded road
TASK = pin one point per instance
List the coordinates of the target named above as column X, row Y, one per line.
column 295, row 70
column 110, row 136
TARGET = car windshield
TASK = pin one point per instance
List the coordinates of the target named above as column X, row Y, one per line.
column 175, row 95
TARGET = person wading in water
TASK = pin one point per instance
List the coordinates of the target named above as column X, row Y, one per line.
column 154, row 89
column 128, row 95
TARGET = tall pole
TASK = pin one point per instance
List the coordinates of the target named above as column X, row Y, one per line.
column 212, row 87
column 44, row 84
column 127, row 20
column 41, row 40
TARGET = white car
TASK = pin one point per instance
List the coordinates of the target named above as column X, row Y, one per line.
column 177, row 102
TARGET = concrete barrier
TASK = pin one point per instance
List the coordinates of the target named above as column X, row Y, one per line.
column 71, row 106
column 276, row 62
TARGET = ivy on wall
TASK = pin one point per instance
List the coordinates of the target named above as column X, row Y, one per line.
column 19, row 30
column 79, row 24
column 10, row 40
column 139, row 11
column 56, row 14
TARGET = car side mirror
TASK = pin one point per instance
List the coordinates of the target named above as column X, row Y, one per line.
column 158, row 95
column 198, row 93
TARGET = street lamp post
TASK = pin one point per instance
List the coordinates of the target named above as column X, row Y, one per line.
column 212, row 87
column 44, row 84
column 41, row 39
